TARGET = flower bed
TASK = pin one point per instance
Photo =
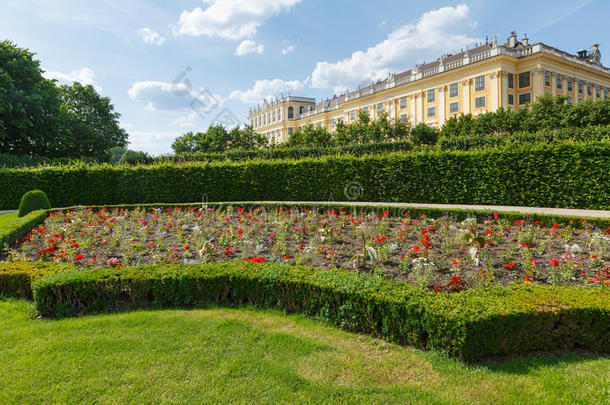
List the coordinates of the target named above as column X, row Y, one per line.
column 439, row 254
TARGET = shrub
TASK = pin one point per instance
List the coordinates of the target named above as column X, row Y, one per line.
column 422, row 134
column 16, row 278
column 470, row 325
column 13, row 230
column 562, row 175
column 32, row 201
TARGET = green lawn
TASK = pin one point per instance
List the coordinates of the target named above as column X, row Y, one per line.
column 224, row 355
column 6, row 219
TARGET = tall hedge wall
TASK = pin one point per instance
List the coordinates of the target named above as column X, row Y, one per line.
column 561, row 175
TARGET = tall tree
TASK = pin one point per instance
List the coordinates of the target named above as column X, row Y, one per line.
column 90, row 124
column 29, row 104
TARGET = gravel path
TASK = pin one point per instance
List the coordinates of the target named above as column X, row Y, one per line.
column 499, row 208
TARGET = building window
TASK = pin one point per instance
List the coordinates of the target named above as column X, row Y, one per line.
column 265, row 119
column 511, row 81
column 301, row 110
column 290, row 112
column 525, row 98
column 511, row 99
column 430, row 95
column 274, row 116
column 365, row 109
column 547, row 78
column 352, row 115
column 479, row 83
column 597, row 92
column 379, row 108
column 580, row 86
column 588, row 88
column 606, row 92
column 579, row 100
column 290, row 130
column 403, row 102
column 570, row 84
column 279, row 114
column 332, row 123
column 524, row 80
column 569, row 99
column 404, row 117
column 559, row 82
column 453, row 90
column 454, row 107
column 431, row 112
column 479, row 102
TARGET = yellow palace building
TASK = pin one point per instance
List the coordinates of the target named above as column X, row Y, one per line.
column 474, row 81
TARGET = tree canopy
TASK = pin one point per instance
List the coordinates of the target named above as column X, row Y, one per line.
column 38, row 118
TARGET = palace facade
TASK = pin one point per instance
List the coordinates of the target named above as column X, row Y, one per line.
column 474, row 81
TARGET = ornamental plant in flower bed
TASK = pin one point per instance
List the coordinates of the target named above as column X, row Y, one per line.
column 439, row 254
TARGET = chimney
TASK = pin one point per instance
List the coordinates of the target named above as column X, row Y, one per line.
column 525, row 41
column 512, row 40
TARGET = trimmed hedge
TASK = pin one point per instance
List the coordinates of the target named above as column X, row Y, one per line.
column 16, row 278
column 291, row 153
column 470, row 325
column 33, row 201
column 599, row 133
column 14, row 230
column 561, row 175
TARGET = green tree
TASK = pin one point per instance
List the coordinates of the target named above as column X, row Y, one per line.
column 422, row 134
column 90, row 126
column 186, row 143
column 29, row 105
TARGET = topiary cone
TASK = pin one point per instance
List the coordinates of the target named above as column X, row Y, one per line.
column 32, row 201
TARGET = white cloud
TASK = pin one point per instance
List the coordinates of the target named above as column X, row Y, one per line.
column 287, row 50
column 249, row 46
column 83, row 76
column 150, row 37
column 152, row 142
column 230, row 19
column 186, row 121
column 163, row 96
column 436, row 32
column 265, row 89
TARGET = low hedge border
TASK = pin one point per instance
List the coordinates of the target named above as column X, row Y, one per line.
column 16, row 278
column 20, row 227
column 471, row 325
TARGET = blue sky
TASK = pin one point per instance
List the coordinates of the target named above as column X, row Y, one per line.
column 172, row 67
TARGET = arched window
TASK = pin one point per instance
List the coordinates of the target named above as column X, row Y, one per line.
column 290, row 112
column 301, row 110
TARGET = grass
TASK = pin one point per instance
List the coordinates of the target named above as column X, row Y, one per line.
column 247, row 356
column 7, row 219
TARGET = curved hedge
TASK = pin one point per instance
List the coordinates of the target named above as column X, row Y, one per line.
column 20, row 227
column 472, row 324
column 561, row 175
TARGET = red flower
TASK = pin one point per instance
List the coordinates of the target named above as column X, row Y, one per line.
column 187, row 247
column 527, row 280
column 287, row 257
column 74, row 245
column 555, row 225
column 79, row 258
column 510, row 265
column 416, row 248
column 554, row 262
column 50, row 249
column 255, row 260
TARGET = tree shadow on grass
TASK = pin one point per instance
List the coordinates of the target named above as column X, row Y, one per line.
column 526, row 363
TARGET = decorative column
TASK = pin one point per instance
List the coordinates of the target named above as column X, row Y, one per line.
column 504, row 87
column 466, row 96
column 441, row 106
column 494, row 91
column 419, row 101
column 538, row 83
column 413, row 110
